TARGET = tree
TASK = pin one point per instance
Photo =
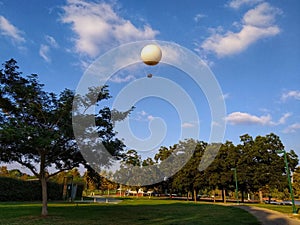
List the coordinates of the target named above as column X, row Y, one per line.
column 132, row 158
column 74, row 173
column 269, row 166
column 4, row 172
column 106, row 183
column 164, row 153
column 259, row 167
column 189, row 178
column 296, row 181
column 92, row 179
column 36, row 126
column 219, row 174
column 129, row 172
column 259, row 164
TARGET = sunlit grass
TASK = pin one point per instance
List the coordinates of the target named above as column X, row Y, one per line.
column 286, row 209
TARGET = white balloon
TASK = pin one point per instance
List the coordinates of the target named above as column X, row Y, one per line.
column 151, row 54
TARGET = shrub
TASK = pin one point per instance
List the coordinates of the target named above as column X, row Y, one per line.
column 19, row 190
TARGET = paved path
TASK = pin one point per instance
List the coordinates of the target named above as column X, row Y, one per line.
column 270, row 217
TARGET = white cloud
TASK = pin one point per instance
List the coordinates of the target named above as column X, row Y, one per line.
column 170, row 53
column 44, row 51
column 9, row 30
column 238, row 118
column 150, row 117
column 246, row 118
column 236, row 4
column 292, row 128
column 45, row 48
column 97, row 25
column 119, row 79
column 198, row 17
column 291, row 94
column 215, row 124
column 143, row 116
column 257, row 23
column 143, row 113
column 225, row 96
column 51, row 41
column 282, row 120
column 261, row 16
column 188, row 125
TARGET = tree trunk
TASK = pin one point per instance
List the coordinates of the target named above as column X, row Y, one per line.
column 195, row 195
column 260, row 196
column 43, row 180
column 137, row 192
column 243, row 197
column 224, row 195
column 44, row 196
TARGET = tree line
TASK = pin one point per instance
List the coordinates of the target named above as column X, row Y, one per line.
column 259, row 168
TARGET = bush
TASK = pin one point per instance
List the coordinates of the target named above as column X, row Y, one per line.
column 19, row 190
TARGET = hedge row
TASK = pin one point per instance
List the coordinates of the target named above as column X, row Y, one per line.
column 19, row 190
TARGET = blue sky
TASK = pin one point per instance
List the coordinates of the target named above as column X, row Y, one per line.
column 251, row 46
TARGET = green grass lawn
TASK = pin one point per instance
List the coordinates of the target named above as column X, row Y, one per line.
column 129, row 212
column 280, row 208
column 286, row 209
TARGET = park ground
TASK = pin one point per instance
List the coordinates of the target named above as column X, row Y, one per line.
column 132, row 211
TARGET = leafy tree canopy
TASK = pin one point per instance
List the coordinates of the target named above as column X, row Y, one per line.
column 36, row 126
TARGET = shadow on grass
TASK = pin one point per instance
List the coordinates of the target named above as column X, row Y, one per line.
column 144, row 212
